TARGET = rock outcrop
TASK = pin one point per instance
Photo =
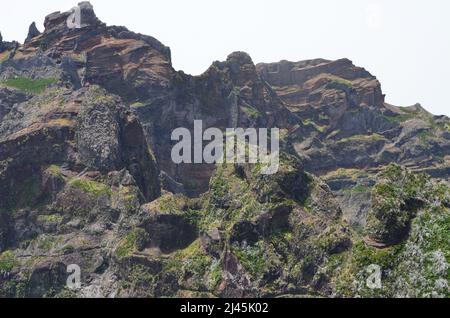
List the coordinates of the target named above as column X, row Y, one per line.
column 350, row 133
column 32, row 32
column 6, row 46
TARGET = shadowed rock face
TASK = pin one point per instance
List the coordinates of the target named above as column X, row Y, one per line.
column 86, row 116
column 5, row 46
column 229, row 94
column 32, row 32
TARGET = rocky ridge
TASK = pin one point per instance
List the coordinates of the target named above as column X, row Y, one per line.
column 86, row 178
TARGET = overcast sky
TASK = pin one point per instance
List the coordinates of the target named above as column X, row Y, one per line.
column 405, row 43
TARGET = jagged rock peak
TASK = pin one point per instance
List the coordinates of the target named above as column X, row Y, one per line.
column 88, row 16
column 81, row 16
column 239, row 58
column 32, row 32
column 288, row 73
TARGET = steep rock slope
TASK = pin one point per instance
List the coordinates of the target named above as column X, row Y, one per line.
column 349, row 132
column 86, row 116
column 229, row 94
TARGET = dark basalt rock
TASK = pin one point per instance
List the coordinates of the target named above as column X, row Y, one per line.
column 32, row 32
column 8, row 98
column 46, row 276
column 170, row 184
column 98, row 135
column 4, row 231
column 169, row 232
column 88, row 17
column 5, row 46
column 59, row 20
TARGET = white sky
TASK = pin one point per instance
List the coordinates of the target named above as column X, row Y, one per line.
column 405, row 43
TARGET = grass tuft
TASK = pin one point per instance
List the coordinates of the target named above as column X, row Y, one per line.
column 34, row 86
column 92, row 187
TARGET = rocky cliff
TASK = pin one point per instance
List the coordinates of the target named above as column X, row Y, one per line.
column 86, row 178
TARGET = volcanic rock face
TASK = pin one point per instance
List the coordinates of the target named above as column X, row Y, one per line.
column 5, row 46
column 229, row 94
column 345, row 113
column 348, row 130
column 32, row 32
column 124, row 62
column 86, row 176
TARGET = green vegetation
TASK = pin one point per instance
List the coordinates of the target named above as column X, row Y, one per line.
column 364, row 255
column 308, row 122
column 351, row 273
column 359, row 189
column 7, row 261
column 252, row 258
column 34, row 86
column 445, row 126
column 194, row 264
column 140, row 277
column 395, row 201
column 346, row 173
column 219, row 185
column 425, row 136
column 435, row 226
column 137, row 104
column 170, row 203
column 55, row 218
column 127, row 246
column 55, row 171
column 66, row 293
column 372, row 137
column 215, row 275
column 250, row 111
column 134, row 241
column 100, row 96
column 400, row 118
column 195, row 261
column 280, row 239
column 68, row 249
column 91, row 187
column 339, row 83
column 47, row 242
column 4, row 56
column 333, row 133
column 127, row 197
column 80, row 58
column 323, row 116
column 413, row 268
column 408, row 113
